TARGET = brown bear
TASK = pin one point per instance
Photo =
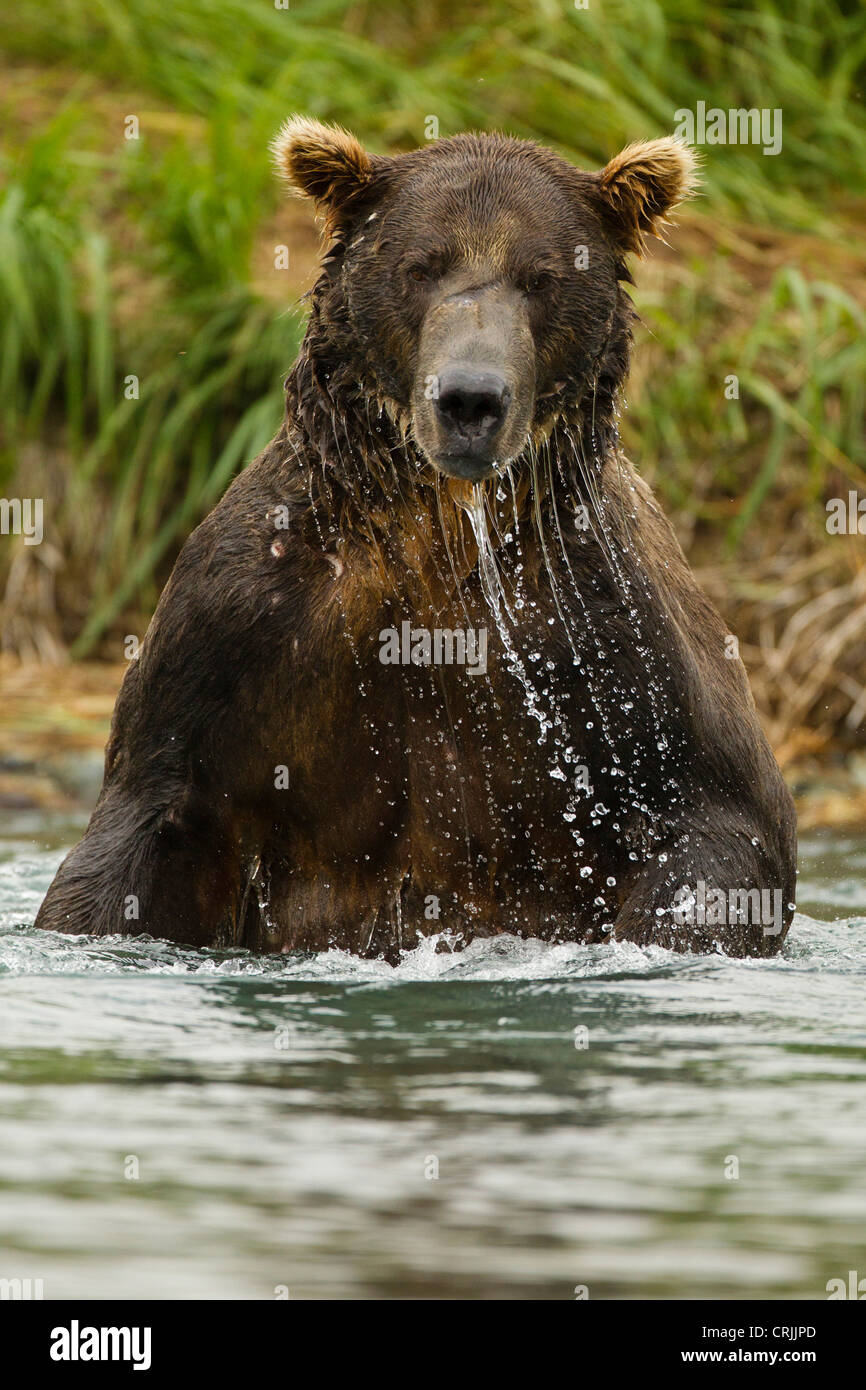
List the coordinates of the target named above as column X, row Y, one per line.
column 436, row 662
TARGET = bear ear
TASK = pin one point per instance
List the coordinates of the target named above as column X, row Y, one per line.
column 323, row 162
column 641, row 185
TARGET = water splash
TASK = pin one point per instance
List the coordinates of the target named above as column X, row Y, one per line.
column 494, row 593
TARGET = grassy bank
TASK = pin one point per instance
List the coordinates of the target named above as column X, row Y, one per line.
column 153, row 259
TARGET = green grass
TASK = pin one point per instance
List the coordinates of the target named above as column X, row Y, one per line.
column 133, row 258
column 798, row 423
column 585, row 80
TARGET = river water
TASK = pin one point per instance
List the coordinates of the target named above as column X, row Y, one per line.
column 519, row 1120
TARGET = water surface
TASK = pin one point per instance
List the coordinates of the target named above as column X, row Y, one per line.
column 194, row 1124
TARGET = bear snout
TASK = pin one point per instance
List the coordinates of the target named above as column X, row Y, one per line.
column 475, row 386
column 471, row 408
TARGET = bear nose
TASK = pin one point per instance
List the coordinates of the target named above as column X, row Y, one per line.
column 472, row 401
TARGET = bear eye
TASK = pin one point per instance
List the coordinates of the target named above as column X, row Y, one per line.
column 536, row 281
column 420, row 273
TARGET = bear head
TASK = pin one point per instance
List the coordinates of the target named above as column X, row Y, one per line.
column 473, row 287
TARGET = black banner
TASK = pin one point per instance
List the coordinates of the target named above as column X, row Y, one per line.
column 82, row 1340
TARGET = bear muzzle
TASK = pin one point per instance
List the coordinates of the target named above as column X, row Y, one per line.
column 471, row 407
column 475, row 384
